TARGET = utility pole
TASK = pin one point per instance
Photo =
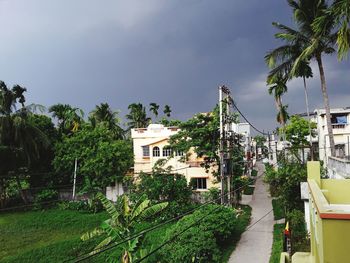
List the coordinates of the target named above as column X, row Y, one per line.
column 75, row 176
column 225, row 123
column 221, row 149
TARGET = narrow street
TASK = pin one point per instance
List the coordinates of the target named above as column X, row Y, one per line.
column 256, row 242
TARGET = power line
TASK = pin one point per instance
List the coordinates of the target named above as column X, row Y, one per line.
column 98, row 251
column 263, row 133
column 176, row 236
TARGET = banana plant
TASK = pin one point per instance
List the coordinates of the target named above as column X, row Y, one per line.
column 124, row 216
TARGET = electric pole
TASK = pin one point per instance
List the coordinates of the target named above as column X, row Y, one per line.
column 225, row 128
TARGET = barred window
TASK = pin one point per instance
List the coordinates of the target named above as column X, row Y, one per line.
column 145, row 151
column 156, row 151
column 167, row 151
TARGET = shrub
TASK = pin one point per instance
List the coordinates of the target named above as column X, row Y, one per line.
column 254, row 173
column 44, row 197
column 213, row 195
column 299, row 238
column 201, row 242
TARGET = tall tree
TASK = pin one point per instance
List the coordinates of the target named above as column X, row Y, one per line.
column 277, row 88
column 104, row 115
column 68, row 117
column 137, row 116
column 167, row 110
column 20, row 140
column 154, row 107
column 313, row 45
column 339, row 13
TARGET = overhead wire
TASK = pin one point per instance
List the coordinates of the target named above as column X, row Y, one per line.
column 98, row 251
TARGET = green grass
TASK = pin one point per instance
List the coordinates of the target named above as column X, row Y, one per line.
column 45, row 236
column 243, row 222
column 277, row 245
column 54, row 236
column 278, row 209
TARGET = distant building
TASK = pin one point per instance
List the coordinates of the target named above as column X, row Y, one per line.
column 151, row 144
column 340, row 119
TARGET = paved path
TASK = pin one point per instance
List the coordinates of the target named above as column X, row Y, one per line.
column 256, row 242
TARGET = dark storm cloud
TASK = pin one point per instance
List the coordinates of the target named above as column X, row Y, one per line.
column 84, row 52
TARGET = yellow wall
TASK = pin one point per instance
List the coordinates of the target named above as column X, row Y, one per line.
column 338, row 190
column 330, row 238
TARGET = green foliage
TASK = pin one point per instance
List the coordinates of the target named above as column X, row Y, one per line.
column 161, row 185
column 202, row 242
column 278, row 209
column 103, row 115
column 170, row 123
column 277, row 245
column 213, row 195
column 254, row 173
column 124, row 217
column 297, row 223
column 201, row 134
column 285, row 183
column 101, row 158
column 137, row 116
column 297, row 131
column 45, row 236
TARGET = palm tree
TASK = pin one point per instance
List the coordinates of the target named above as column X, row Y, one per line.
column 313, row 45
column 154, row 107
column 277, row 88
column 339, row 14
column 68, row 118
column 104, row 115
column 18, row 136
column 137, row 116
column 281, row 61
column 167, row 110
column 121, row 225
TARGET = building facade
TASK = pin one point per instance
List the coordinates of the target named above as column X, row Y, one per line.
column 340, row 119
column 151, row 144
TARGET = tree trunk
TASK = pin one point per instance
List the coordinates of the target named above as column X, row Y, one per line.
column 326, row 105
column 308, row 117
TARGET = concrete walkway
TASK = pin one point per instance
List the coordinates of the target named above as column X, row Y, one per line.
column 256, row 242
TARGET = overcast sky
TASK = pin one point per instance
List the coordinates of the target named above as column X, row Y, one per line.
column 84, row 52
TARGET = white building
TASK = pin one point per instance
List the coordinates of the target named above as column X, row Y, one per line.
column 340, row 119
column 151, row 144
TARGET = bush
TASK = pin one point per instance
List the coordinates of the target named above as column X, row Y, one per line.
column 213, row 195
column 285, row 183
column 299, row 238
column 254, row 173
column 201, row 242
column 43, row 198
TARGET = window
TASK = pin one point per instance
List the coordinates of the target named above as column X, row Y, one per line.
column 156, row 152
column 338, row 120
column 179, row 153
column 167, row 151
column 199, row 183
column 145, row 151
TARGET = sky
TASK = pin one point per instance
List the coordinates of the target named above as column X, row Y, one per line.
column 84, row 52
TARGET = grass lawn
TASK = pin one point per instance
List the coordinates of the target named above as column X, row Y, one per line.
column 277, row 245
column 244, row 220
column 54, row 235
column 278, row 209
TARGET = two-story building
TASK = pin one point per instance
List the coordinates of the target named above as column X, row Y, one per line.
column 151, row 145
